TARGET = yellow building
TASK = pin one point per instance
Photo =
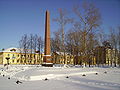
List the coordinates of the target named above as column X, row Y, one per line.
column 16, row 56
column 105, row 55
column 60, row 58
column 111, row 56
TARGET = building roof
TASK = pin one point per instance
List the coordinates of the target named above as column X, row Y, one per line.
column 12, row 49
column 17, row 50
column 62, row 53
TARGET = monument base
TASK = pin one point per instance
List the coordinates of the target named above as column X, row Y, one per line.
column 47, row 61
column 47, row 64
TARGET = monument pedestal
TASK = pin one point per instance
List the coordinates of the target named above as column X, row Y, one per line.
column 47, row 61
column 47, row 65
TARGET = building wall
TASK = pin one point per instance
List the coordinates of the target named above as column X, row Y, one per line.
column 19, row 58
column 100, row 55
column 105, row 56
column 1, row 58
column 60, row 59
column 111, row 57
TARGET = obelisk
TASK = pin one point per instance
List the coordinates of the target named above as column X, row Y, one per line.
column 47, row 60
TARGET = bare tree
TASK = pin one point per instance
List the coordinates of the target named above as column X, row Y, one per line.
column 24, row 46
column 90, row 47
column 40, row 47
column 89, row 20
column 56, row 45
column 118, row 36
column 62, row 21
column 75, row 41
column 114, row 41
column 56, row 42
column 20, row 50
column 35, row 37
column 30, row 48
column 74, row 44
column 69, row 42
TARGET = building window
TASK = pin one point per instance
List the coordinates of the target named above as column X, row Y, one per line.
column 13, row 61
column 13, row 57
column 24, row 61
column 8, row 55
column 17, row 61
column 18, row 55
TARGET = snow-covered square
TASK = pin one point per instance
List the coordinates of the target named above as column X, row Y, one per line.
column 35, row 77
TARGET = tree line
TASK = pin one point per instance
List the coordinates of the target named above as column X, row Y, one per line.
column 31, row 44
column 84, row 35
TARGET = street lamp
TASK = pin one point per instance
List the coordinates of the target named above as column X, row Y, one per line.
column 7, row 61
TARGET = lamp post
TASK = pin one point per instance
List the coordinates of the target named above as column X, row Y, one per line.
column 7, row 61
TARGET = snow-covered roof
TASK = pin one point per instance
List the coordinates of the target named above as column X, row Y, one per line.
column 62, row 53
column 17, row 50
column 12, row 49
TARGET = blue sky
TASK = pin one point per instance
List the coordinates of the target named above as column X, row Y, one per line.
column 19, row 17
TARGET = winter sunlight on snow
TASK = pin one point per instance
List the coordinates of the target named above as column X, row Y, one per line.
column 36, row 77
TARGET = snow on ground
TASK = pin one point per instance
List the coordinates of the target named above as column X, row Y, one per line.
column 34, row 77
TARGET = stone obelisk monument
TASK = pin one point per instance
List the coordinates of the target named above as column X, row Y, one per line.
column 47, row 60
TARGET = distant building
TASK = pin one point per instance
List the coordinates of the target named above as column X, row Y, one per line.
column 111, row 56
column 105, row 55
column 17, row 56
column 60, row 58
column 100, row 55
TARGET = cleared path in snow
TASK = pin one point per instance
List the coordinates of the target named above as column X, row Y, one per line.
column 51, row 76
